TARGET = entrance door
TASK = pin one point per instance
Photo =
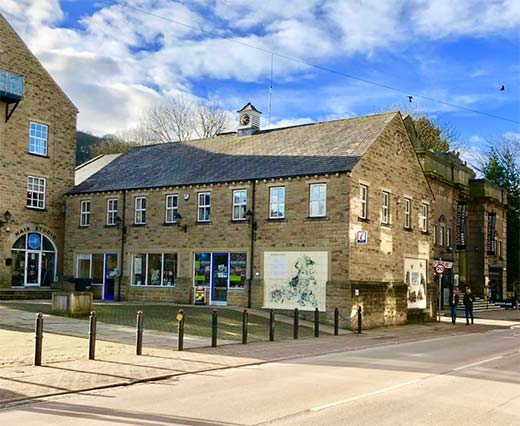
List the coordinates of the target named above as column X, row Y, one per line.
column 111, row 273
column 219, row 281
column 32, row 271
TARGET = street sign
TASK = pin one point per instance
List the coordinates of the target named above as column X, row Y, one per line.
column 439, row 269
column 447, row 265
column 361, row 237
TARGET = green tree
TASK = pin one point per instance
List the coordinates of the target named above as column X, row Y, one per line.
column 435, row 135
column 502, row 167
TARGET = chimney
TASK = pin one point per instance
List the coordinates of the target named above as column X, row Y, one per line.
column 248, row 120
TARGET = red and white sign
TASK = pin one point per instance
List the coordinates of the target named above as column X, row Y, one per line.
column 447, row 265
column 439, row 269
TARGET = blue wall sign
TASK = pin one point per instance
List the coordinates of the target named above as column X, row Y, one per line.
column 34, row 241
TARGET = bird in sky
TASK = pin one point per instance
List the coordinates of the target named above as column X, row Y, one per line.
column 502, row 88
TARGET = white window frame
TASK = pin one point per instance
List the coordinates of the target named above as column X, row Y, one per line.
column 37, row 196
column 385, row 208
column 408, row 213
column 277, row 203
column 499, row 248
column 170, row 210
column 145, row 273
column 363, row 199
column 424, row 217
column 84, row 256
column 442, row 229
column 448, row 236
column 203, row 207
column 111, row 211
column 38, row 138
column 435, row 236
column 139, row 210
column 321, row 200
column 240, row 206
column 84, row 213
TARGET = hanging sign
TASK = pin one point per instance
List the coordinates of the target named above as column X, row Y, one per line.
column 439, row 269
column 491, row 230
column 461, row 225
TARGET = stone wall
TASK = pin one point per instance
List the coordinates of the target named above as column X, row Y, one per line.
column 45, row 103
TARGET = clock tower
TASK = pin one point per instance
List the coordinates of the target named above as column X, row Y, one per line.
column 248, row 120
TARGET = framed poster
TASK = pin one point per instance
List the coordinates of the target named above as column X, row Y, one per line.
column 415, row 278
column 295, row 280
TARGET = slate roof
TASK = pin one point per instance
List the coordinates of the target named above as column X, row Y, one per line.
column 319, row 148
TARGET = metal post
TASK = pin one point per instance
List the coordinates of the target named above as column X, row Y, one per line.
column 271, row 325
column 296, row 323
column 440, row 298
column 359, row 319
column 316, row 323
column 39, row 339
column 336, row 322
column 214, row 321
column 139, row 333
column 180, row 330
column 92, row 335
column 244, row 326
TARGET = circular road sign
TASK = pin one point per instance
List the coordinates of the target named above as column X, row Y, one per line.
column 439, row 269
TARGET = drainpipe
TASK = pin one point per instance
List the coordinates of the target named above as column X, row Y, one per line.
column 252, row 247
column 123, row 240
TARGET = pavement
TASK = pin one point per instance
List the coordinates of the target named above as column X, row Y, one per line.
column 117, row 365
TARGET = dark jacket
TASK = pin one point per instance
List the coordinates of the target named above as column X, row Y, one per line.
column 456, row 300
column 468, row 300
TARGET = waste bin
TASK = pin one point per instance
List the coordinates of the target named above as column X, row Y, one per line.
column 82, row 284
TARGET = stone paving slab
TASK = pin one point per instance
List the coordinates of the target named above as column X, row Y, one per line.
column 120, row 367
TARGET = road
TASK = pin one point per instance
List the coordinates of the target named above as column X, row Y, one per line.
column 471, row 379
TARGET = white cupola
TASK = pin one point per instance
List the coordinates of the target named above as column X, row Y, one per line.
column 248, row 120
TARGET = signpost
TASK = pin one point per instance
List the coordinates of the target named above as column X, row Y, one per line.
column 439, row 269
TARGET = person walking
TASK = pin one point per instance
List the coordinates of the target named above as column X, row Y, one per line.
column 454, row 302
column 468, row 300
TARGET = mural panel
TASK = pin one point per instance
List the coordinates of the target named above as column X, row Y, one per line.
column 415, row 279
column 295, row 280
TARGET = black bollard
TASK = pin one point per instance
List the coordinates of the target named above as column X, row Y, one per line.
column 39, row 339
column 139, row 333
column 180, row 330
column 296, row 323
column 214, row 321
column 271, row 325
column 316, row 323
column 359, row 320
column 336, row 322
column 244, row 326
column 92, row 335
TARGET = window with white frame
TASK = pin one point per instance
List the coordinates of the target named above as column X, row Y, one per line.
column 385, row 208
column 277, row 202
column 499, row 247
column 111, row 211
column 435, row 240
column 448, row 237
column 424, row 217
column 91, row 265
column 36, row 192
column 154, row 269
column 442, row 229
column 172, row 208
column 407, row 213
column 318, row 200
column 84, row 213
column 363, row 199
column 204, row 207
column 239, row 204
column 38, row 138
column 140, row 211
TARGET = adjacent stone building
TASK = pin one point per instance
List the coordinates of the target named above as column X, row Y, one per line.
column 468, row 226
column 37, row 155
column 325, row 215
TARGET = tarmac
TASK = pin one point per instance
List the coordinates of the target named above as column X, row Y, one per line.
column 66, row 368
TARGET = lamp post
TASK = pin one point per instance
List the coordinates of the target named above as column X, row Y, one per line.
column 178, row 220
column 5, row 222
column 250, row 217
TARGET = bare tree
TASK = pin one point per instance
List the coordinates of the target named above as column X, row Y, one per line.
column 210, row 119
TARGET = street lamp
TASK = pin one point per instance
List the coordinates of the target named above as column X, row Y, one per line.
column 178, row 219
column 5, row 222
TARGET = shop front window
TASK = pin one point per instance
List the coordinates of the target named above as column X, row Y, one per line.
column 33, row 261
column 202, row 269
column 154, row 269
column 237, row 270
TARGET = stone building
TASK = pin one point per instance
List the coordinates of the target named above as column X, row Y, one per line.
column 324, row 215
column 37, row 155
column 468, row 226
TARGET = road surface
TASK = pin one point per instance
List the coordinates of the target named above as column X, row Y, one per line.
column 471, row 379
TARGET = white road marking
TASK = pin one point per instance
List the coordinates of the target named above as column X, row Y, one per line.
column 365, row 395
column 478, row 363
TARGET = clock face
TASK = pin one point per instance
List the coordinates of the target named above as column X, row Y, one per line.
column 244, row 119
column 186, row 197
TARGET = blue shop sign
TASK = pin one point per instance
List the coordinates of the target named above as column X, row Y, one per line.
column 34, row 241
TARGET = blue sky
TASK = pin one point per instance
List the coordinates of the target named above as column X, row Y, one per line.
column 115, row 58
